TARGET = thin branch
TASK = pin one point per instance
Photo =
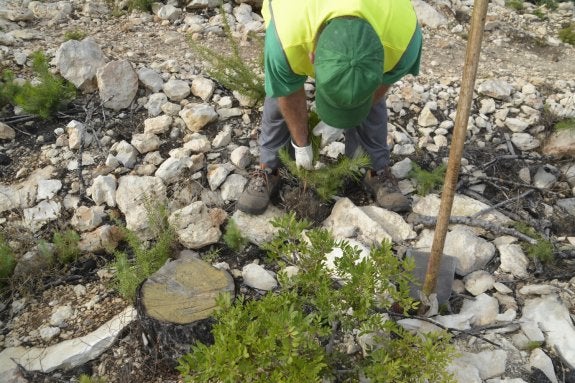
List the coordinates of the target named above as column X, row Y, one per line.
column 450, row 330
column 493, row 227
column 502, row 203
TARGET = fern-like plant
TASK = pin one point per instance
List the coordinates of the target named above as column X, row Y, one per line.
column 137, row 264
column 427, row 181
column 66, row 246
column 43, row 99
column 231, row 69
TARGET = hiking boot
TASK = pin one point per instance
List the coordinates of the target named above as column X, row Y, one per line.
column 262, row 185
column 383, row 186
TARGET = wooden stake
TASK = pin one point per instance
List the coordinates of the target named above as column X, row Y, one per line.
column 455, row 153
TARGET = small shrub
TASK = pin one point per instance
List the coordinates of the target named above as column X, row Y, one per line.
column 141, row 262
column 288, row 336
column 427, row 182
column 543, row 250
column 328, row 180
column 540, row 14
column 7, row 261
column 566, row 124
column 232, row 70
column 66, row 246
column 51, row 93
column 140, row 5
column 518, row 5
column 233, row 237
column 74, row 35
column 567, row 34
column 90, row 379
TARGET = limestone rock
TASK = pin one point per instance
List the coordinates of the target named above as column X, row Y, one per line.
column 78, row 62
column 117, row 84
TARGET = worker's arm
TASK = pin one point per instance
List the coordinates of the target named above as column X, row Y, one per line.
column 294, row 111
column 380, row 93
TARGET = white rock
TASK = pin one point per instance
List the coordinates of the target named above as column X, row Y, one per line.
column 155, row 104
column 428, row 15
column 328, row 133
column 177, row 90
column 223, row 138
column 169, row 12
column 195, row 225
column 171, row 169
column 489, row 363
column 532, row 331
column 513, row 259
column 555, row 321
column 78, row 62
column 258, row 228
column 88, row 218
column 103, row 190
column 217, row 174
column 538, row 289
column 333, row 150
column 150, row 79
column 391, row 222
column 198, row 143
column 345, row 214
column 196, row 116
column 46, row 211
column 495, row 88
column 487, row 106
column 126, row 154
column 484, row 309
column 402, row 168
column 131, row 197
column 462, row 206
column 471, row 251
column 117, row 84
column 158, row 125
column 233, row 187
column 257, row 277
column 47, row 189
column 240, row 157
column 145, row 142
column 6, row 132
column 479, row 282
column 516, row 125
column 203, row 88
column 60, row 315
column 540, row 360
column 463, row 372
column 227, row 113
column 545, row 177
column 525, row 141
column 49, row 333
column 427, row 118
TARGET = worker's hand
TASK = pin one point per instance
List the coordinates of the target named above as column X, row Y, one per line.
column 303, row 156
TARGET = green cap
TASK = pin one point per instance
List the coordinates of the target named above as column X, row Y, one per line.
column 348, row 69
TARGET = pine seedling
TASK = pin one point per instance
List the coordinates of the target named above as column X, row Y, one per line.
column 233, row 237
column 542, row 250
column 427, row 181
column 7, row 261
column 566, row 124
column 328, row 180
column 66, row 246
column 231, row 70
column 51, row 94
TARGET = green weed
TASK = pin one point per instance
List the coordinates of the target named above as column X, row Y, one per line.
column 288, row 336
column 139, row 261
column 566, row 124
column 74, row 35
column 7, row 261
column 543, row 250
column 427, row 181
column 90, row 379
column 518, row 5
column 567, row 34
column 140, row 5
column 66, row 246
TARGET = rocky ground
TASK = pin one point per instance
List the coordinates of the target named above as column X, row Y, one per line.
column 150, row 121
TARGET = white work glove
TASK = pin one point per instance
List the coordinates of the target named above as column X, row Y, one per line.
column 303, row 156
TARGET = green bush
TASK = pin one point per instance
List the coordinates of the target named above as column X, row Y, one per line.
column 233, row 237
column 427, row 181
column 66, row 246
column 139, row 261
column 7, row 261
column 567, row 34
column 75, row 35
column 518, row 5
column 140, row 5
column 292, row 335
column 566, row 124
column 232, row 70
column 542, row 250
column 44, row 99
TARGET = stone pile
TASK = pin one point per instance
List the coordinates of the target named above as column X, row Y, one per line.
column 210, row 134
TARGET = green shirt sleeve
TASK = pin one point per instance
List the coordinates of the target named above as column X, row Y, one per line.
column 280, row 80
column 409, row 62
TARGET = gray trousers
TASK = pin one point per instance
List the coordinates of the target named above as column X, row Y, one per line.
column 370, row 135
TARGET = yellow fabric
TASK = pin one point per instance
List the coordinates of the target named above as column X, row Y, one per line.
column 298, row 21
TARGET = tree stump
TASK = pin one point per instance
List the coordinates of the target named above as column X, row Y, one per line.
column 175, row 304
